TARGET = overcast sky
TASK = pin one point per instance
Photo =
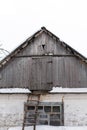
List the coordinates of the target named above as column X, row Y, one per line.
column 67, row 19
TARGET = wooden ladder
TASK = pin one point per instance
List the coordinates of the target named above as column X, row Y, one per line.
column 31, row 100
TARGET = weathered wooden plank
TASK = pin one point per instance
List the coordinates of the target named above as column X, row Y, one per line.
column 44, row 44
column 69, row 72
column 63, row 71
column 16, row 74
column 43, row 74
column 49, row 73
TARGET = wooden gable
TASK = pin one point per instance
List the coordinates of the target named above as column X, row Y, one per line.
column 41, row 62
column 44, row 45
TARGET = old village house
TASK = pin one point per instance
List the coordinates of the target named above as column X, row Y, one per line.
column 43, row 82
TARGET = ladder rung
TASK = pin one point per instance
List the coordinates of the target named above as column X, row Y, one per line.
column 32, row 113
column 29, row 124
column 33, row 100
column 30, row 118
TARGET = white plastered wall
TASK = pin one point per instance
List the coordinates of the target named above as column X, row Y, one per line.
column 75, row 107
column 12, row 108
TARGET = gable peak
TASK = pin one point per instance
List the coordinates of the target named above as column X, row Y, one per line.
column 43, row 28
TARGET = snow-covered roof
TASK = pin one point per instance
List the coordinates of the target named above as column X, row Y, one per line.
column 15, row 90
column 68, row 90
column 51, row 128
column 54, row 90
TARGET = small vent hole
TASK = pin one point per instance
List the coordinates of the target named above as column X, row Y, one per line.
column 43, row 46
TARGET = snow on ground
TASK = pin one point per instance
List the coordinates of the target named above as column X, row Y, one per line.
column 15, row 90
column 51, row 128
column 67, row 90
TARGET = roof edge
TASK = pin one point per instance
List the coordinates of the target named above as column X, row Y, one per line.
column 29, row 40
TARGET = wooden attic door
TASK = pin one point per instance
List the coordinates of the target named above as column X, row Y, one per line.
column 41, row 73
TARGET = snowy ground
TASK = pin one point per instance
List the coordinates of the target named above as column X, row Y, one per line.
column 51, row 128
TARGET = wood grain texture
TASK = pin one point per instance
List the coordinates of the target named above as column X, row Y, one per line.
column 42, row 64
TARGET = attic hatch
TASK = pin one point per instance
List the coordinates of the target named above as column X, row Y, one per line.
column 41, row 74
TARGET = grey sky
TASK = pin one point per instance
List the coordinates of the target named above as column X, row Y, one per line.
column 67, row 19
